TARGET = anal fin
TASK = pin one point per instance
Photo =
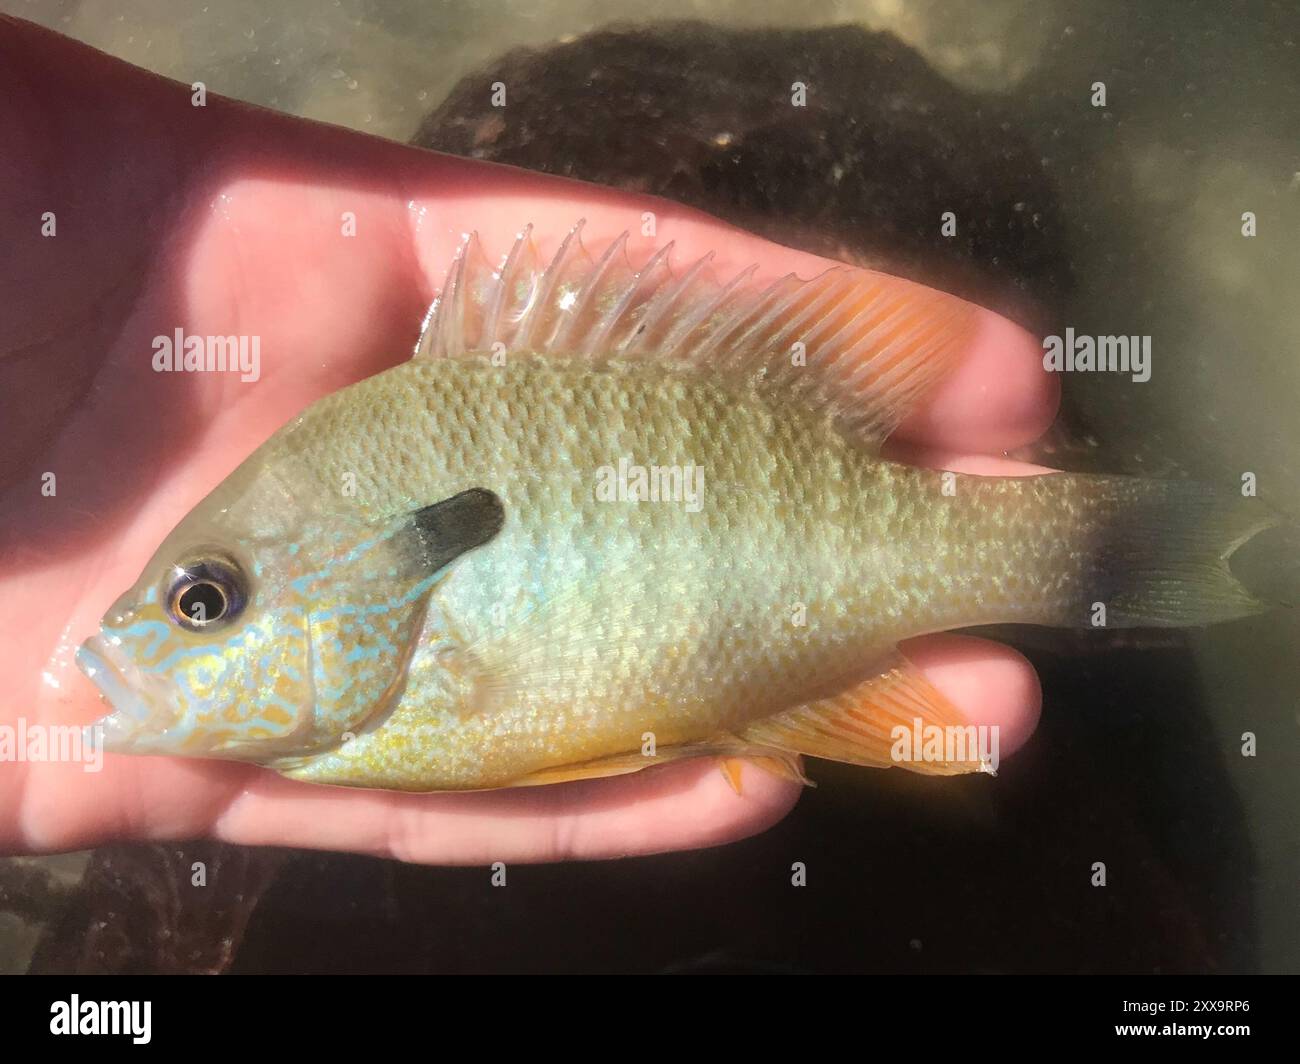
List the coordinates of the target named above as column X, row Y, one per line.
column 896, row 717
column 779, row 763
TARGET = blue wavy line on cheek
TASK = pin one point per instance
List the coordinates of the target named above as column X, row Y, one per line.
column 302, row 584
column 141, row 630
column 249, row 637
column 368, row 609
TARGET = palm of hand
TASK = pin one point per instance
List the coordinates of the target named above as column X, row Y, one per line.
column 235, row 222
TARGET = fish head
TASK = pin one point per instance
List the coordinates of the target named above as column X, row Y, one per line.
column 266, row 646
column 207, row 653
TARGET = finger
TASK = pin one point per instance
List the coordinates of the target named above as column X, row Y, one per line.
column 991, row 684
column 71, row 805
column 982, row 465
column 670, row 808
column 675, row 807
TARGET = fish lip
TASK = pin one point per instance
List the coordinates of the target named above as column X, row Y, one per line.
column 118, row 683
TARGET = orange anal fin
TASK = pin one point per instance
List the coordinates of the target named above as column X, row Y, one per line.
column 731, row 769
column 895, row 718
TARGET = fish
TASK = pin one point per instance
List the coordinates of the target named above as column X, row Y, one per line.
column 610, row 517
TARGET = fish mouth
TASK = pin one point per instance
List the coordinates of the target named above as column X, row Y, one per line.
column 133, row 721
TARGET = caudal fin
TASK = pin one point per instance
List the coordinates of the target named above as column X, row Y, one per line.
column 1161, row 556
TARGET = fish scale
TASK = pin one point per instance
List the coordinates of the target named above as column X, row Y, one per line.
column 565, row 631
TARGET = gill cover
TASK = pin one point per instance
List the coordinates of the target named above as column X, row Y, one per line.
column 319, row 648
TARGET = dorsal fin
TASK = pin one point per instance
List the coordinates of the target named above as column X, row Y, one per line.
column 866, row 344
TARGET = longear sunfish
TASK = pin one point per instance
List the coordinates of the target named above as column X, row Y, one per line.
column 607, row 518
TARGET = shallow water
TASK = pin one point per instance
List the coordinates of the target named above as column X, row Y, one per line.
column 1137, row 759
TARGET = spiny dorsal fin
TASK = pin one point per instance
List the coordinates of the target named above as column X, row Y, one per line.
column 867, row 345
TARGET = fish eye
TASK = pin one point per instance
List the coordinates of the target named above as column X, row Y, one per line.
column 206, row 592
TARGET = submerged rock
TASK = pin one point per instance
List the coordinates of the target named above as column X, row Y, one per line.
column 175, row 909
column 864, row 171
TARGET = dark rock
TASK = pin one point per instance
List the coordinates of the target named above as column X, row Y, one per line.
column 863, row 173
column 138, row 910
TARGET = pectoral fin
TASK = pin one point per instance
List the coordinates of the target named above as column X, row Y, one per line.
column 897, row 717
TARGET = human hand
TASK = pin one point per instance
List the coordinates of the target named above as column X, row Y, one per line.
column 225, row 219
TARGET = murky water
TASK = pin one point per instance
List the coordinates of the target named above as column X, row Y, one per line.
column 1201, row 124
